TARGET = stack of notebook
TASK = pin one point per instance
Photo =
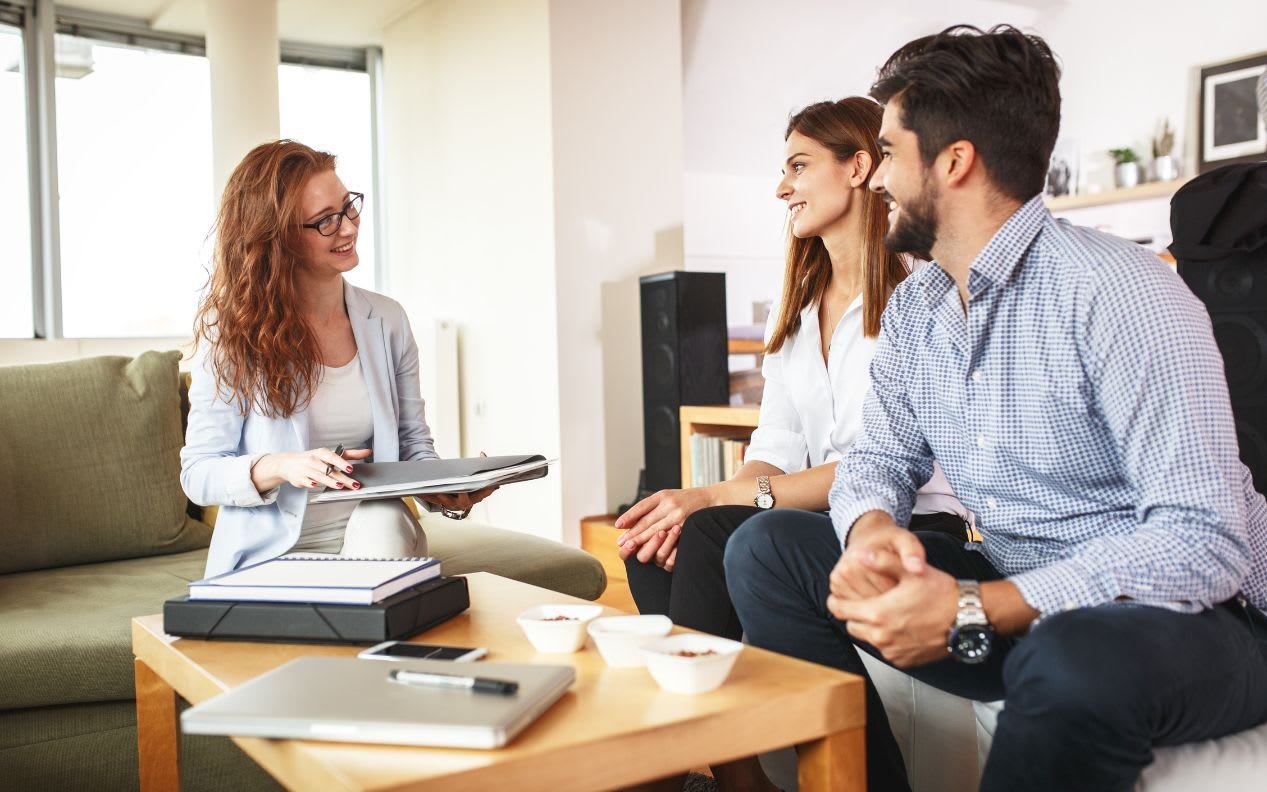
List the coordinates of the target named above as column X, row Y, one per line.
column 319, row 598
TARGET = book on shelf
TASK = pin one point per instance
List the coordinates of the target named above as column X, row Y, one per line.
column 436, row 476
column 715, row 457
column 297, row 577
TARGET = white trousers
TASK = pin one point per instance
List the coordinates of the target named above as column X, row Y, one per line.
column 378, row 529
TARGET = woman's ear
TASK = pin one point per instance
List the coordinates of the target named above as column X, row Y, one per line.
column 861, row 169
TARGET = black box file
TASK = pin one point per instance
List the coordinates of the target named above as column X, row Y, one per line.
column 395, row 618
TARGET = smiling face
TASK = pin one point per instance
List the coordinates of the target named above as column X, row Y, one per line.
column 907, row 186
column 815, row 186
column 324, row 194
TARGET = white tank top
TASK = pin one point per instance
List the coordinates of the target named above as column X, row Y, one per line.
column 338, row 413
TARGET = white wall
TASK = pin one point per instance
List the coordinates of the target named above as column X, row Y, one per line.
column 469, row 183
column 616, row 95
column 748, row 64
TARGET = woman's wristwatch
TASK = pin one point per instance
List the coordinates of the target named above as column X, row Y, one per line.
column 765, row 497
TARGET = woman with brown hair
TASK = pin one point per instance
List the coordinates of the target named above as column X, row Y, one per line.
column 837, row 280
column 294, row 362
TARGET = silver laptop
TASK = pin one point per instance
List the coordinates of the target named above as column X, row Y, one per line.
column 351, row 700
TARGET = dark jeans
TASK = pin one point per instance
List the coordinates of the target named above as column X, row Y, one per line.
column 694, row 594
column 1090, row 692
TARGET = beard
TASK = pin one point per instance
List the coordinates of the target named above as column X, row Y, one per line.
column 915, row 231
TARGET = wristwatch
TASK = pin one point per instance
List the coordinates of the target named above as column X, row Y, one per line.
column 971, row 636
column 765, row 498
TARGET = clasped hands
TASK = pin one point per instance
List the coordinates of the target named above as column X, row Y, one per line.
column 890, row 597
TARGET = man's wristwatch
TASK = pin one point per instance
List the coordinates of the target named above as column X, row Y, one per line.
column 765, row 498
column 971, row 636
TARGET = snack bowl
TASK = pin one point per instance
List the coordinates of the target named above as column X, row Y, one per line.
column 691, row 662
column 619, row 638
column 557, row 629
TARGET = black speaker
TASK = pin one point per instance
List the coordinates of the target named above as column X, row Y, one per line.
column 683, row 362
column 1220, row 226
column 1234, row 291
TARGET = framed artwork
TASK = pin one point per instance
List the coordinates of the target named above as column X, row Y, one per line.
column 1231, row 126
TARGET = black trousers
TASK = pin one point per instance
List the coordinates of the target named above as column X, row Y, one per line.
column 694, row 594
column 1089, row 692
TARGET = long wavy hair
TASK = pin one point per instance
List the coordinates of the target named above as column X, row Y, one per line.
column 262, row 351
column 844, row 127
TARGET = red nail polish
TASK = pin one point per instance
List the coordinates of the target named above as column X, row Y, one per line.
column 347, row 469
column 355, row 485
column 339, row 484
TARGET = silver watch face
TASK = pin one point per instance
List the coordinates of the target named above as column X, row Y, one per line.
column 970, row 643
column 765, row 501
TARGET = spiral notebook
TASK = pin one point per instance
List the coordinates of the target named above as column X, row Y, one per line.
column 317, row 578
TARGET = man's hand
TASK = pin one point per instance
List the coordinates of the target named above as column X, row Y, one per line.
column 909, row 622
column 879, row 553
column 654, row 516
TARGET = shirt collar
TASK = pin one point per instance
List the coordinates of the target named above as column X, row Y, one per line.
column 997, row 260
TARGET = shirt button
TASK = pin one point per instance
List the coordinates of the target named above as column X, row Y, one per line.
column 1069, row 605
column 980, row 441
column 976, row 375
column 991, row 502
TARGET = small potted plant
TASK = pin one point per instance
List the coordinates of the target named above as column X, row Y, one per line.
column 1164, row 167
column 1126, row 172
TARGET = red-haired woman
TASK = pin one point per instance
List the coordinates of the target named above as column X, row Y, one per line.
column 295, row 361
column 837, row 280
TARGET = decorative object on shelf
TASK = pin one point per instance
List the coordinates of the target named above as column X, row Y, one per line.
column 1164, row 166
column 1062, row 175
column 1232, row 125
column 1126, row 167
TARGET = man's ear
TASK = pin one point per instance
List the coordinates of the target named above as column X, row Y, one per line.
column 956, row 161
column 862, row 169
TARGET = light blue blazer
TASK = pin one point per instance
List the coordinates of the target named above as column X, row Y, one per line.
column 221, row 444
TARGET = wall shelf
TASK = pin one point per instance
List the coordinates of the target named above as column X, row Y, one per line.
column 1140, row 193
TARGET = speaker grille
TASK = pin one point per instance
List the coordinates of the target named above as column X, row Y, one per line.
column 683, row 361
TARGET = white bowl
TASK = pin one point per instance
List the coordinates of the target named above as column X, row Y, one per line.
column 557, row 629
column 698, row 674
column 619, row 638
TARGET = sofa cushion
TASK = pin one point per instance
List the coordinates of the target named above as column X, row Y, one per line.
column 1229, row 764
column 91, row 468
column 67, row 632
column 464, row 547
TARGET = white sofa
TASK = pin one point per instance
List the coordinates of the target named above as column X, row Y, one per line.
column 945, row 739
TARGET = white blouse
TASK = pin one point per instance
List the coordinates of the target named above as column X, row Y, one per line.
column 811, row 414
column 339, row 413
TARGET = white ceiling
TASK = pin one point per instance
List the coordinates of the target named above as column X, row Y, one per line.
column 347, row 23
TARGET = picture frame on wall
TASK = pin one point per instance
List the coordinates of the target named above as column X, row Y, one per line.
column 1231, row 128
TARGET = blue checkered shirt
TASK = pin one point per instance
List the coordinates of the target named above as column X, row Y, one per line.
column 1080, row 409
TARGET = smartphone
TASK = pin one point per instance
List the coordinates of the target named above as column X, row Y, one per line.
column 400, row 650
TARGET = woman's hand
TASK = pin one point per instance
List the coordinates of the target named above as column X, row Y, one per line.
column 307, row 469
column 656, row 514
column 460, row 501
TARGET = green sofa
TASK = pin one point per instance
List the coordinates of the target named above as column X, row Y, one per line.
column 96, row 530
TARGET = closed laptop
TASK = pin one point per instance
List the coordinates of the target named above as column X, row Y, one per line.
column 353, row 700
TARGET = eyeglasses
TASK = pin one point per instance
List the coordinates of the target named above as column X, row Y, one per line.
column 331, row 223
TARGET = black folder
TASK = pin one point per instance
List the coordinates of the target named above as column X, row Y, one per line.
column 398, row 617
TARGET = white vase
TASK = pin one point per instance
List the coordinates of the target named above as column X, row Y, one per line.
column 1165, row 168
column 1126, row 174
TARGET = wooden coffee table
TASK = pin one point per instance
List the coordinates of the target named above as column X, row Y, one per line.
column 614, row 728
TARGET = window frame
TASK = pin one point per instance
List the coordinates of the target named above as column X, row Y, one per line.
column 40, row 21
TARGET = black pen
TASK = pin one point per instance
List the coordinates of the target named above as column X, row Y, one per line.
column 454, row 682
column 338, row 451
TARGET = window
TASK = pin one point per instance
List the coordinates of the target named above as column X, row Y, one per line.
column 135, row 176
column 135, row 202
column 329, row 109
column 16, row 319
